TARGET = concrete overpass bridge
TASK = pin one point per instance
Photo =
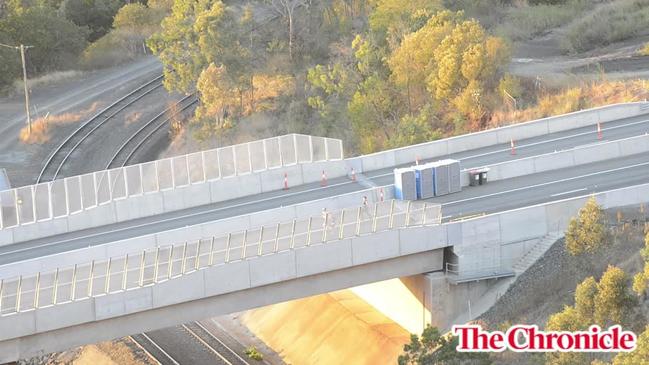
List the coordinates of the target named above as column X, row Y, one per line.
column 179, row 275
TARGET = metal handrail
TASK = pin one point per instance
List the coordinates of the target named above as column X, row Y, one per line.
column 156, row 265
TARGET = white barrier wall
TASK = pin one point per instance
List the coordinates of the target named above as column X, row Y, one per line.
column 179, row 182
column 500, row 240
column 159, row 202
column 495, row 136
column 194, row 232
column 477, row 242
column 511, row 169
column 567, row 158
column 325, row 153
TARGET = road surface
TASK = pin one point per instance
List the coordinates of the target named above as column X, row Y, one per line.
column 495, row 196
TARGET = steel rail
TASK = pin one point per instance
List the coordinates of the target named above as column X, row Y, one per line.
column 123, row 154
column 90, row 126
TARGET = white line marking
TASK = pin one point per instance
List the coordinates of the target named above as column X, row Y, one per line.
column 518, row 147
column 547, row 183
column 568, row 192
column 175, row 218
column 296, row 193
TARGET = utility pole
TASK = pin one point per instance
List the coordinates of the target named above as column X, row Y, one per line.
column 22, row 57
column 22, row 49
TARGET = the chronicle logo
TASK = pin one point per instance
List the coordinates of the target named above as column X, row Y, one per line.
column 528, row 338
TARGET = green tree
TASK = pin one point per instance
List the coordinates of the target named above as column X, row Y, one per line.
column 97, row 15
column 639, row 356
column 641, row 279
column 374, row 112
column 569, row 319
column 414, row 129
column 199, row 33
column 435, row 348
column 586, row 232
column 613, row 301
column 56, row 41
column 393, row 19
column 177, row 43
column 137, row 16
column 451, row 62
column 604, row 303
column 585, row 296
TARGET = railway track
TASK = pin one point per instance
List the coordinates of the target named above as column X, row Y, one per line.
column 153, row 350
column 134, row 143
column 209, row 340
column 198, row 333
column 57, row 159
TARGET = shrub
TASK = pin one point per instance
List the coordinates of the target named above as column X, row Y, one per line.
column 528, row 21
column 586, row 232
column 610, row 23
column 114, row 48
column 254, row 354
column 644, row 51
column 133, row 24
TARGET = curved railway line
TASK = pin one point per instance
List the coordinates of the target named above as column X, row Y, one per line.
column 197, row 332
column 57, row 159
column 126, row 151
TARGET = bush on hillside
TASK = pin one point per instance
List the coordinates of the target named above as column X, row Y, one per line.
column 586, row 232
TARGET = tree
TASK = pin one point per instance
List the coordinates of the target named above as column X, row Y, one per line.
column 639, row 356
column 199, row 33
column 374, row 112
column 414, row 129
column 604, row 303
column 569, row 319
column 177, row 44
column 586, row 232
column 613, row 302
column 222, row 102
column 56, row 42
column 286, row 9
column 585, row 295
column 97, row 15
column 393, row 19
column 137, row 16
column 435, row 348
column 450, row 62
column 641, row 279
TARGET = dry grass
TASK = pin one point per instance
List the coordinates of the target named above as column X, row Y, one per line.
column 525, row 22
column 588, row 95
column 123, row 351
column 132, row 118
column 42, row 127
column 50, row 78
column 613, row 22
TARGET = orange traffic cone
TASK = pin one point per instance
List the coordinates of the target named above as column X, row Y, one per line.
column 599, row 130
column 353, row 174
column 513, row 147
column 285, row 181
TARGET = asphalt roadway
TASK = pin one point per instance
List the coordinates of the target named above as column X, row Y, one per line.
column 493, row 197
